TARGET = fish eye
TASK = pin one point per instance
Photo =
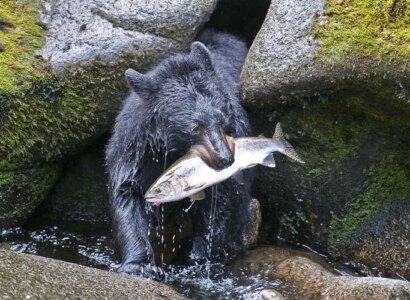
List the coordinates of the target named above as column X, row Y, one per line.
column 157, row 190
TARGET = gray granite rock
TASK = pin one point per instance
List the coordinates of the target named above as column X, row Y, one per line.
column 283, row 44
column 306, row 48
column 31, row 277
column 81, row 31
column 313, row 278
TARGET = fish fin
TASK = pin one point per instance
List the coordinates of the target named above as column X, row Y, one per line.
column 288, row 149
column 197, row 186
column 278, row 135
column 198, row 196
column 269, row 161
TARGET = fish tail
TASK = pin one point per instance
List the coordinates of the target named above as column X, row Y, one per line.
column 288, row 149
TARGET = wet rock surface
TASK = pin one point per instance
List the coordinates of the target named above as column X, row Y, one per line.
column 383, row 243
column 313, row 278
column 21, row 191
column 84, row 183
column 32, row 277
column 268, row 294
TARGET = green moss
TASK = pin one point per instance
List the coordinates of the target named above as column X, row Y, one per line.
column 43, row 127
column 386, row 182
column 378, row 29
column 37, row 128
column 18, row 64
column 326, row 137
column 347, row 142
column 45, row 116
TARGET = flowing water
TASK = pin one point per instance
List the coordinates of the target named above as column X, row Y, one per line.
column 200, row 281
column 94, row 248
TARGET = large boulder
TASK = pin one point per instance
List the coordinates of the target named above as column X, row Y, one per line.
column 310, row 47
column 82, row 31
column 61, row 82
column 382, row 243
column 310, row 277
column 356, row 174
column 335, row 74
column 25, row 276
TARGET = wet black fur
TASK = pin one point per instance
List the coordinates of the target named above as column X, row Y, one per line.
column 169, row 109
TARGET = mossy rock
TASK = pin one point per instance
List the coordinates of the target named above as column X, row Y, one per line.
column 356, row 148
column 21, row 191
column 46, row 115
column 382, row 243
column 81, row 194
column 51, row 111
column 311, row 48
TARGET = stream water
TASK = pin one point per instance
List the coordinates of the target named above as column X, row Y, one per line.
column 94, row 248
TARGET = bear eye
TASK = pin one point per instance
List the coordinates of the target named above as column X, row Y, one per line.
column 229, row 129
column 197, row 129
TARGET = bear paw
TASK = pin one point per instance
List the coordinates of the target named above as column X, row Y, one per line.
column 145, row 270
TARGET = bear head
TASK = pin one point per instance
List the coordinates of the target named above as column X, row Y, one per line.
column 186, row 104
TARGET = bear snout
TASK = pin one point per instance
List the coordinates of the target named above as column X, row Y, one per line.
column 221, row 154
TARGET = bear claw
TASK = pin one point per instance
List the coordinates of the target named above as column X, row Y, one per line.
column 144, row 270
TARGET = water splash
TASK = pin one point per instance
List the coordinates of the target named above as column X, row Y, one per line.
column 190, row 206
column 197, row 282
column 163, row 244
column 211, row 225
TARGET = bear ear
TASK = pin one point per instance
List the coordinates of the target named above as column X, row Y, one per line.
column 139, row 82
column 200, row 53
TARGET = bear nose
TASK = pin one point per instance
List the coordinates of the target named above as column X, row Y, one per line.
column 221, row 152
column 225, row 161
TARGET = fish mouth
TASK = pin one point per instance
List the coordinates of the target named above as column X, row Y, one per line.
column 155, row 198
column 152, row 198
column 154, row 202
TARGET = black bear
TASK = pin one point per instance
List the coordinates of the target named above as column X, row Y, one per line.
column 188, row 99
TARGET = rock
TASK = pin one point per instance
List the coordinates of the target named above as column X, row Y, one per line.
column 31, row 277
column 383, row 243
column 267, row 294
column 356, row 149
column 335, row 74
column 251, row 237
column 311, row 47
column 22, row 190
column 312, row 278
column 62, row 76
column 81, row 31
column 317, row 283
column 83, row 182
